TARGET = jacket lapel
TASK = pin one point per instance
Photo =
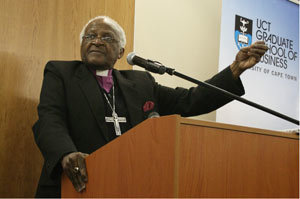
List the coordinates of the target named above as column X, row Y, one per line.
column 90, row 88
column 132, row 98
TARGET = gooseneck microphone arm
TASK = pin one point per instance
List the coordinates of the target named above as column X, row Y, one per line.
column 156, row 67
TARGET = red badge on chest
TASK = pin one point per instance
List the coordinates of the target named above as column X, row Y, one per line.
column 148, row 106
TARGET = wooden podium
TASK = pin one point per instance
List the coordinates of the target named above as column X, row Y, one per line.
column 175, row 157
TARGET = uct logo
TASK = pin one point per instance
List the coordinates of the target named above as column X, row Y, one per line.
column 243, row 31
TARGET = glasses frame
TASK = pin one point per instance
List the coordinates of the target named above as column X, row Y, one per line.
column 94, row 37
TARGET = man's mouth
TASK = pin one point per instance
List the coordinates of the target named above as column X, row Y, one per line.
column 96, row 52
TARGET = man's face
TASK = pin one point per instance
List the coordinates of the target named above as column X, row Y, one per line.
column 102, row 53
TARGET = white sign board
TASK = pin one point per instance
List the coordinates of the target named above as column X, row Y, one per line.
column 274, row 81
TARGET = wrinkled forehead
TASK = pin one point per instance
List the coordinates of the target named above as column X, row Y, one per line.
column 99, row 25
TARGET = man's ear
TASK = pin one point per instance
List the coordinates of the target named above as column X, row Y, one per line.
column 121, row 53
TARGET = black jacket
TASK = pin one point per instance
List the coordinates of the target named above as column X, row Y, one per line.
column 71, row 110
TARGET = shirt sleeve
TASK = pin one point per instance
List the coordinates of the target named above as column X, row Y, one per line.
column 51, row 130
column 198, row 100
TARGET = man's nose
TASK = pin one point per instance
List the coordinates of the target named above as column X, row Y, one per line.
column 97, row 41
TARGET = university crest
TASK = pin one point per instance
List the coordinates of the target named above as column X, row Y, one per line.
column 243, row 31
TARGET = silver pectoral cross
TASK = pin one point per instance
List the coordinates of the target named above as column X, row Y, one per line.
column 115, row 119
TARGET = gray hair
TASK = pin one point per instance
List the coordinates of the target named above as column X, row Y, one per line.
column 112, row 23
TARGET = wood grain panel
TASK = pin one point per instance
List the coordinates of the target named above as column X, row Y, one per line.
column 138, row 164
column 33, row 32
column 209, row 161
column 242, row 164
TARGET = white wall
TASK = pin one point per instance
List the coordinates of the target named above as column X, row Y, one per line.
column 182, row 34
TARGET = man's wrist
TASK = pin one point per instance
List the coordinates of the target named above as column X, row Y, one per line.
column 236, row 70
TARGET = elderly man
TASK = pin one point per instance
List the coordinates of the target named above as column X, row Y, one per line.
column 86, row 104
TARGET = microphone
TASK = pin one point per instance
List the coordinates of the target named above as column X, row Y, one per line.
column 153, row 115
column 152, row 66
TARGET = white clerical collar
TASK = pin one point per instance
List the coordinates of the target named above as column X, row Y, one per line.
column 102, row 73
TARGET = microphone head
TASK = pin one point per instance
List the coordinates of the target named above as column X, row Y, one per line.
column 130, row 57
column 153, row 115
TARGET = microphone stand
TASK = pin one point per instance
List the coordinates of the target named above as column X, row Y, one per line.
column 163, row 69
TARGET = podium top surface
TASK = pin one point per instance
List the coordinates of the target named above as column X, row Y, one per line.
column 245, row 129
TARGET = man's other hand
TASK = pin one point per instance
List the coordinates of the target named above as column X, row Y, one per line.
column 247, row 57
column 73, row 165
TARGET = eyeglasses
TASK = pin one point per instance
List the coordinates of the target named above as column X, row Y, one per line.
column 105, row 39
